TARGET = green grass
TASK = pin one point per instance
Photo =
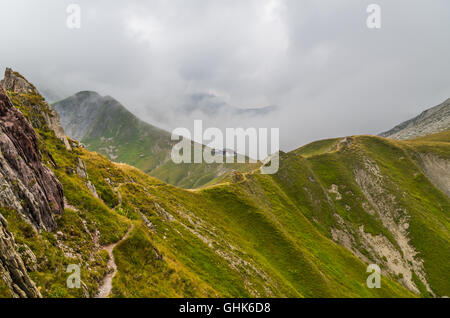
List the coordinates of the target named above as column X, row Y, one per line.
column 317, row 147
column 145, row 271
column 4, row 290
column 439, row 137
column 306, row 181
column 271, row 237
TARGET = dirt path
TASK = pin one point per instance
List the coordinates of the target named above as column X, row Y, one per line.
column 106, row 286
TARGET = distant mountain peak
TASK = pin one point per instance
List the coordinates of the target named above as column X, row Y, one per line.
column 80, row 111
column 212, row 105
column 86, row 94
column 431, row 121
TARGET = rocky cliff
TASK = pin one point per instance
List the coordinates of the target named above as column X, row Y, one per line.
column 28, row 186
column 38, row 240
column 12, row 268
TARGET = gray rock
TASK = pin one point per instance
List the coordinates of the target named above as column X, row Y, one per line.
column 81, row 169
column 28, row 257
column 26, row 184
column 431, row 121
column 91, row 188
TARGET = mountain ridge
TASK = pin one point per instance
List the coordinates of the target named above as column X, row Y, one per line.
column 430, row 121
column 310, row 230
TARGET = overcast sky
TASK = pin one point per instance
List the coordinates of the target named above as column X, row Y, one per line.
column 324, row 73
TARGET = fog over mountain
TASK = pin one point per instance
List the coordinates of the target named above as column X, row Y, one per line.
column 311, row 68
column 212, row 105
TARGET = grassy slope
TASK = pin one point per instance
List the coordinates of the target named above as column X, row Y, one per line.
column 439, row 137
column 242, row 239
column 260, row 236
column 318, row 147
column 427, row 207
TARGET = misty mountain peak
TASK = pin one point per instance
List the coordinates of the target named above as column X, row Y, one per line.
column 90, row 99
column 88, row 94
column 212, row 105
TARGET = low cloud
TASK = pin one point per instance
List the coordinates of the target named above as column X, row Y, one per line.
column 311, row 68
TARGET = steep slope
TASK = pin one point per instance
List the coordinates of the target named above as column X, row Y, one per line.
column 431, row 121
column 308, row 231
column 278, row 231
column 243, row 238
column 379, row 202
column 26, row 185
column 38, row 240
column 106, row 126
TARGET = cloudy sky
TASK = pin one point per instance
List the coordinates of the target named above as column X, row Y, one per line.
column 314, row 66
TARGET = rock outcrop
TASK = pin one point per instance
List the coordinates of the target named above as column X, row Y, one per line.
column 16, row 83
column 27, row 185
column 12, row 269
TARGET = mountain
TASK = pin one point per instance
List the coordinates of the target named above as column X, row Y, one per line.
column 106, row 126
column 212, row 106
column 311, row 230
column 431, row 121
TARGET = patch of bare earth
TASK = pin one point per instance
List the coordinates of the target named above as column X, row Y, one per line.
column 437, row 170
column 400, row 260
